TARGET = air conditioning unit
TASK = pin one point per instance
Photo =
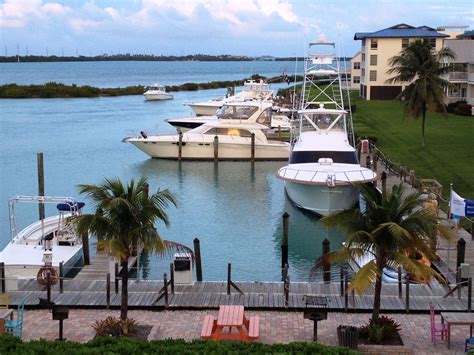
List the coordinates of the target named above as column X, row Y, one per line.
column 183, row 269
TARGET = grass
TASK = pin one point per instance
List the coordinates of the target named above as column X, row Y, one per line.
column 448, row 156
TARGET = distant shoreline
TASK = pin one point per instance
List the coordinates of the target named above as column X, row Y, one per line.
column 58, row 90
column 145, row 58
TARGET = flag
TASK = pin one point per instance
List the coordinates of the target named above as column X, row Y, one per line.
column 457, row 205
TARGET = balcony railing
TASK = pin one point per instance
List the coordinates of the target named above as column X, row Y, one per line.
column 471, row 77
column 458, row 76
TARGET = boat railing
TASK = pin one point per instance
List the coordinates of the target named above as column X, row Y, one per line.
column 351, row 176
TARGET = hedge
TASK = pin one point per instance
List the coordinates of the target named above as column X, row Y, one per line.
column 11, row 345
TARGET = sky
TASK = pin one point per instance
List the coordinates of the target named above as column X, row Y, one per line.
column 237, row 27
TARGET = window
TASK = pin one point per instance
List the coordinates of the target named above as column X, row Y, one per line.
column 374, row 44
column 362, row 72
column 405, row 42
column 373, row 75
column 229, row 132
column 230, row 112
column 363, row 57
column 356, row 79
column 356, row 65
column 433, row 42
column 373, row 59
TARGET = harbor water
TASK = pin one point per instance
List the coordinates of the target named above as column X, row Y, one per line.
column 234, row 208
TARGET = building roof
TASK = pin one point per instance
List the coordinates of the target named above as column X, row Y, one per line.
column 355, row 55
column 401, row 30
column 467, row 34
column 462, row 48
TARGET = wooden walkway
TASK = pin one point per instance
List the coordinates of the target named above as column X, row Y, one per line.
column 99, row 267
column 257, row 295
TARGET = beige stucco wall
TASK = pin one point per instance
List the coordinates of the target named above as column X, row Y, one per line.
column 387, row 48
column 355, row 72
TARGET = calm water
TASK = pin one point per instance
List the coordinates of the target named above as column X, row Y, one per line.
column 234, row 208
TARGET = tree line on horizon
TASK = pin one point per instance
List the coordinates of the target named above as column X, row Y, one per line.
column 145, row 57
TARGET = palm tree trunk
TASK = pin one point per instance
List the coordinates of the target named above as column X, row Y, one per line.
column 423, row 119
column 377, row 295
column 124, row 304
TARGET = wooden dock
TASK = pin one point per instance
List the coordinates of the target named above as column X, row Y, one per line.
column 257, row 295
column 99, row 267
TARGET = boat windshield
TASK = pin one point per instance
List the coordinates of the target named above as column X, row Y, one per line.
column 236, row 112
column 231, row 131
column 156, row 88
column 323, row 121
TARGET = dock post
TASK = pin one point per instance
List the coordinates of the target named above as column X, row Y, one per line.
column 458, row 281
column 61, row 277
column 197, row 258
column 39, row 159
column 469, row 294
column 346, row 294
column 460, row 252
column 279, row 133
column 216, row 148
column 2, row 275
column 116, row 277
column 165, row 281
column 180, row 145
column 107, row 297
column 326, row 265
column 342, row 278
column 85, row 249
column 252, row 147
column 286, row 291
column 172, row 278
column 284, row 273
column 400, row 282
column 229, row 271
column 284, row 242
column 146, row 189
column 48, row 287
column 407, row 291
column 384, row 183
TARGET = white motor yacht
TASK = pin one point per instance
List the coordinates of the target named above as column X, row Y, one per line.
column 50, row 240
column 157, row 92
column 253, row 90
column 232, row 132
column 323, row 165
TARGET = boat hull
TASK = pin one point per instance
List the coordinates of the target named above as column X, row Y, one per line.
column 322, row 199
column 156, row 97
column 204, row 109
column 205, row 150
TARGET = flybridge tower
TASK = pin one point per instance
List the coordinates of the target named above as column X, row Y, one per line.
column 323, row 83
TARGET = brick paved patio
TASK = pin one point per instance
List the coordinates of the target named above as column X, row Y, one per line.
column 275, row 327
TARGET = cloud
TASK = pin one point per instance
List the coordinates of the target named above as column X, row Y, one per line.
column 81, row 25
column 18, row 13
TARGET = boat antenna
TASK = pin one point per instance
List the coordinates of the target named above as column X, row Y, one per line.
column 296, row 67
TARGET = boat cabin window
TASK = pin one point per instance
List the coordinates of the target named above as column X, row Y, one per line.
column 265, row 117
column 323, row 121
column 229, row 132
column 300, row 157
column 236, row 112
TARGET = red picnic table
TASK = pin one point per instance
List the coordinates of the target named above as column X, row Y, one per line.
column 230, row 317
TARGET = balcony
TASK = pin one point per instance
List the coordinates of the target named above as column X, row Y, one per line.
column 471, row 77
column 458, row 76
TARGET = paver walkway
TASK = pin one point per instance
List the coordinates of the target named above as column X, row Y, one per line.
column 275, row 327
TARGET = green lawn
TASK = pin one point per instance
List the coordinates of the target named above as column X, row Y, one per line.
column 449, row 152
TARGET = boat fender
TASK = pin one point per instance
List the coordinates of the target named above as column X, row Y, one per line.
column 143, row 134
column 42, row 276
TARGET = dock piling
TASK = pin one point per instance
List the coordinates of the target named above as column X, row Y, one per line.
column 216, row 148
column 197, row 258
column 252, row 147
column 61, row 277
column 286, row 291
column 48, row 287
column 107, row 297
column 180, row 145
column 284, row 243
column 407, row 293
column 2, row 275
column 346, row 294
column 116, row 277
column 39, row 159
column 165, row 282
column 326, row 266
column 460, row 252
column 469, row 294
column 400, row 282
column 172, row 278
column 341, row 279
column 229, row 272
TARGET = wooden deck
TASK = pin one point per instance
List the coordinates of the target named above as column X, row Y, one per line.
column 258, row 295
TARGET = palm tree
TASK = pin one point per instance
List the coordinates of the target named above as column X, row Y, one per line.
column 420, row 66
column 124, row 221
column 392, row 229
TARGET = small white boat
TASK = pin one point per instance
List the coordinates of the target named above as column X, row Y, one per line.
column 157, row 92
column 234, row 131
column 53, row 239
column 253, row 90
column 323, row 167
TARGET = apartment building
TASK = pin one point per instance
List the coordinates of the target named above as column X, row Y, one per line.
column 355, row 71
column 376, row 50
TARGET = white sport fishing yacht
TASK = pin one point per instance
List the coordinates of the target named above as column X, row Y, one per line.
column 233, row 130
column 323, row 165
column 157, row 92
column 253, row 90
column 51, row 240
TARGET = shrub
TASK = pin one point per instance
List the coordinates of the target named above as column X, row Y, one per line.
column 379, row 330
column 111, row 326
